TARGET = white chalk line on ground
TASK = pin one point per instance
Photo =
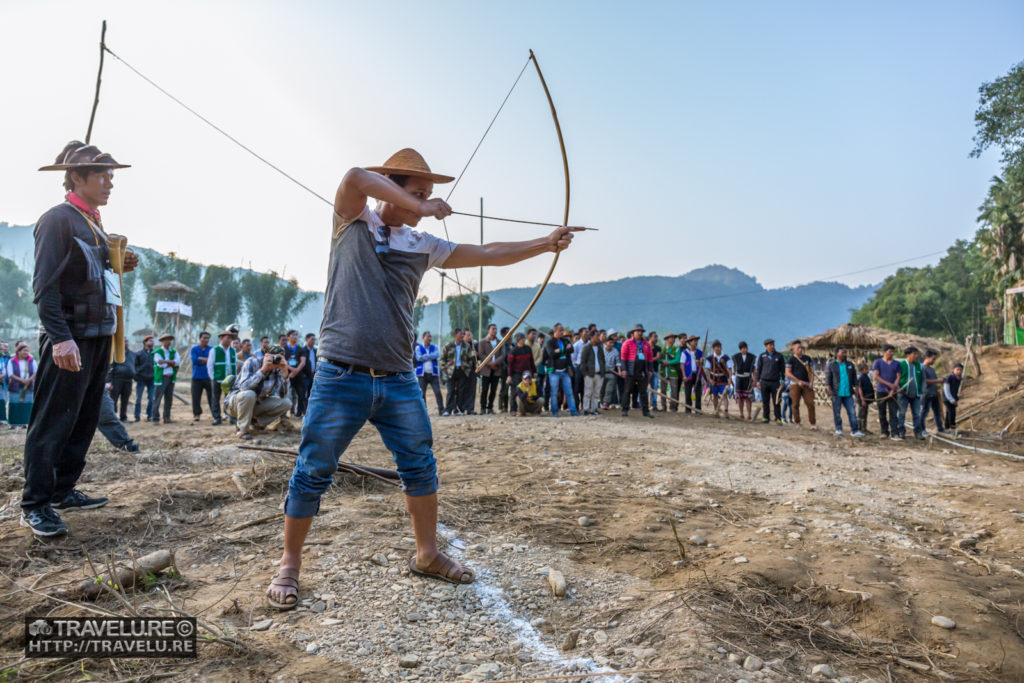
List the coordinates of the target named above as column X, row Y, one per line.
column 492, row 597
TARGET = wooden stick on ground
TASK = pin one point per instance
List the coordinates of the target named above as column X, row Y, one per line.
column 386, row 476
column 128, row 577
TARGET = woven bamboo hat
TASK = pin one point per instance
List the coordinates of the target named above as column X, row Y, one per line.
column 80, row 155
column 409, row 162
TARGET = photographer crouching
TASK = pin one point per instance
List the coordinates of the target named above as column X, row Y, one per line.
column 260, row 393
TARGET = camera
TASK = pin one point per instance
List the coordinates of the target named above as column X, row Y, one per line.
column 276, row 360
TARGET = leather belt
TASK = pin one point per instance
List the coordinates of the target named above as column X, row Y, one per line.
column 362, row 369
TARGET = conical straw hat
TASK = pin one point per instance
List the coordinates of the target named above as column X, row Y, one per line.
column 409, row 162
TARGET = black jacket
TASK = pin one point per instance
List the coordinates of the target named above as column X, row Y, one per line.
column 558, row 354
column 770, row 367
column 587, row 360
column 70, row 293
column 144, row 367
column 832, row 377
column 125, row 371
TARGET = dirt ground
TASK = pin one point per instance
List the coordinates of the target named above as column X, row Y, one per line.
column 711, row 550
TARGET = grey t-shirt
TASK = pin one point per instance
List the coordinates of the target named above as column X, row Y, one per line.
column 371, row 292
column 929, row 373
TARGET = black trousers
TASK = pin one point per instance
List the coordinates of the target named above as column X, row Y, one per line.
column 770, row 396
column 517, row 377
column 141, row 384
column 110, row 426
column 434, row 383
column 63, row 421
column 503, row 389
column 467, row 399
column 165, row 393
column 636, row 389
column 694, row 388
column 200, row 387
column 456, row 387
column 887, row 415
column 121, row 390
column 950, row 414
column 931, row 403
column 300, row 395
column 488, row 390
column 217, row 394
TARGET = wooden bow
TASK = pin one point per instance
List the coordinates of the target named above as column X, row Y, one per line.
column 565, row 214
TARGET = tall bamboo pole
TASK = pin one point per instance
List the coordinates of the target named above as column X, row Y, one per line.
column 99, row 80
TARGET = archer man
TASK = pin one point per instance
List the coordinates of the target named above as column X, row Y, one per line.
column 364, row 369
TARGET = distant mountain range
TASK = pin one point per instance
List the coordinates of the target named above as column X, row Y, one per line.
column 726, row 302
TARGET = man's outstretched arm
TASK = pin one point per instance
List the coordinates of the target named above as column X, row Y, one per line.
column 507, row 253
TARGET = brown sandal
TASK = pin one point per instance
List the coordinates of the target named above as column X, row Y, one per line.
column 442, row 573
column 291, row 586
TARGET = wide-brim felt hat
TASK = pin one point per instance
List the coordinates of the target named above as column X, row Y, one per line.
column 670, row 335
column 409, row 162
column 228, row 332
column 166, row 336
column 637, row 327
column 691, row 338
column 80, row 155
column 147, row 338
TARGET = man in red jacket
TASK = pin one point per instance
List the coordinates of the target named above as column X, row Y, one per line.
column 637, row 359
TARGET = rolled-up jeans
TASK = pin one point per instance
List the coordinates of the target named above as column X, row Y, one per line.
column 560, row 380
column 916, row 414
column 341, row 402
column 840, row 402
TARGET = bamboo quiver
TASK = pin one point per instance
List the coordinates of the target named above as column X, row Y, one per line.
column 118, row 246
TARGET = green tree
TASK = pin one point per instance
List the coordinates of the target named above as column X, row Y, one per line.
column 463, row 312
column 219, row 298
column 270, row 301
column 417, row 311
column 16, row 308
column 948, row 300
column 999, row 120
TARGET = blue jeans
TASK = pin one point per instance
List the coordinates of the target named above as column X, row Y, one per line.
column 559, row 380
column 916, row 414
column 840, row 402
column 339, row 405
column 654, row 387
column 139, row 384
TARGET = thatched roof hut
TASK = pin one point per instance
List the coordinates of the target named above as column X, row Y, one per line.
column 172, row 287
column 861, row 341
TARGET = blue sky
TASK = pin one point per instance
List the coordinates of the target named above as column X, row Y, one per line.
column 791, row 140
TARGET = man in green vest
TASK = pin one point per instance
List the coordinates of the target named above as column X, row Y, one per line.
column 911, row 390
column 670, row 368
column 165, row 372
column 221, row 365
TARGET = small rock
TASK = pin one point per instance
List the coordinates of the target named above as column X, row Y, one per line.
column 414, row 616
column 735, row 658
column 409, row 661
column 823, row 670
column 648, row 653
column 262, row 625
column 752, row 663
column 698, row 540
column 332, row 622
column 570, row 640
column 741, row 560
column 557, row 582
column 318, row 606
column 311, row 648
column 943, row 622
column 584, row 521
column 379, row 559
column 600, row 637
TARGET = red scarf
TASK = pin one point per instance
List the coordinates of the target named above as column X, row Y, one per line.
column 77, row 202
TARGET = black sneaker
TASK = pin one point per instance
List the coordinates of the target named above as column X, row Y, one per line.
column 216, row 422
column 43, row 521
column 130, row 447
column 76, row 500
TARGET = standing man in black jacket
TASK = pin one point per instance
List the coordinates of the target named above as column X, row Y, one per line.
column 768, row 374
column 120, row 377
column 77, row 311
column 144, row 376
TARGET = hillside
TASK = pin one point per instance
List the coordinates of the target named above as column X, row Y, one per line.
column 726, row 301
